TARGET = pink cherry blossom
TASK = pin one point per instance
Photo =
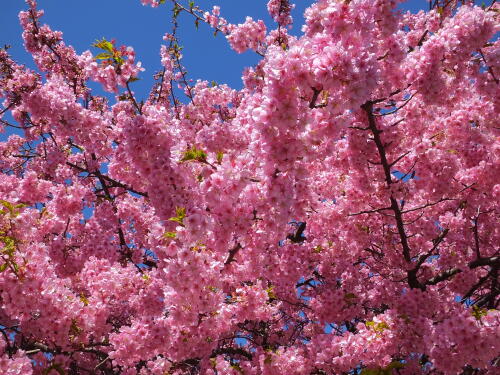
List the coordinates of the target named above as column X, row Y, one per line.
column 336, row 215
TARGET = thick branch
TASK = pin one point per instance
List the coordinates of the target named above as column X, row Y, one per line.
column 493, row 262
column 232, row 254
column 398, row 216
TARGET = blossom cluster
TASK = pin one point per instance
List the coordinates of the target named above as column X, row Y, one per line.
column 338, row 214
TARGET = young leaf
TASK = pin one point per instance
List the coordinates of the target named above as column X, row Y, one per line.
column 194, row 154
column 176, row 10
column 219, row 156
column 103, row 56
column 270, row 293
column 84, row 299
column 478, row 312
column 180, row 215
column 8, row 206
column 169, row 235
column 104, row 45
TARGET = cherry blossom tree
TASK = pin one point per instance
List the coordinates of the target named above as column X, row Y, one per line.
column 337, row 215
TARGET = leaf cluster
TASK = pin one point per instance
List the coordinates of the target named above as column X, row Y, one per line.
column 111, row 55
column 194, row 154
column 178, row 218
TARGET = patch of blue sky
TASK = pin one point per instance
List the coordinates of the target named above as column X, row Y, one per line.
column 241, row 341
column 404, row 176
column 88, row 212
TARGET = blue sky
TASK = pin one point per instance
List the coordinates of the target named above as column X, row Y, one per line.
column 205, row 56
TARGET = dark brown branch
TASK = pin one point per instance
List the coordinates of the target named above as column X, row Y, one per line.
column 397, row 109
column 437, row 241
column 422, row 38
column 490, row 69
column 110, row 180
column 126, row 252
column 377, row 210
column 476, row 286
column 132, row 98
column 395, row 92
column 312, row 103
column 427, row 205
column 493, row 261
column 443, row 276
column 306, row 282
column 398, row 216
column 10, row 349
column 195, row 15
column 6, row 108
column 232, row 254
column 66, row 229
column 398, row 159
column 297, row 236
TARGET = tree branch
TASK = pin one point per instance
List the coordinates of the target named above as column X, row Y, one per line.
column 398, row 216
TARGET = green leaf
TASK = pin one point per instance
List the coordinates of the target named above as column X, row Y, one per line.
column 104, row 45
column 213, row 289
column 134, row 79
column 194, row 154
column 74, row 329
column 176, row 10
column 478, row 312
column 318, row 249
column 84, row 299
column 377, row 327
column 169, row 235
column 191, row 4
column 9, row 245
column 103, row 56
column 118, row 60
column 8, row 206
column 219, row 157
column 3, row 267
column 180, row 215
column 270, row 293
